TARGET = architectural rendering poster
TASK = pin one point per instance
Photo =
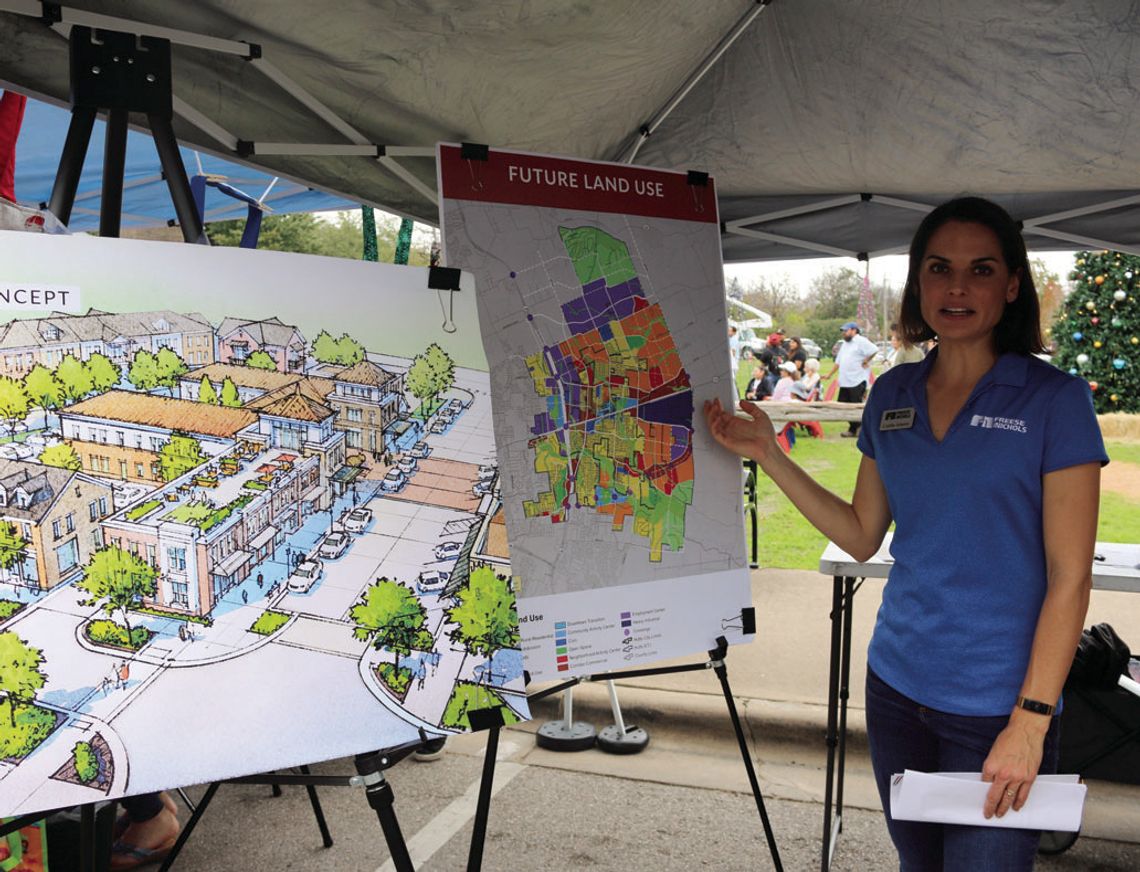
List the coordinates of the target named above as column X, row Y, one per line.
column 601, row 303
column 248, row 516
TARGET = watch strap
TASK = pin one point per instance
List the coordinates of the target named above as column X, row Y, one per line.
column 1035, row 706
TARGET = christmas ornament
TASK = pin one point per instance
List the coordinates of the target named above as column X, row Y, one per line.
column 1114, row 397
column 1128, row 274
column 1097, row 343
column 1116, row 322
column 1100, row 280
column 1078, row 336
column 1072, row 370
column 1081, row 262
column 1134, row 341
column 1082, row 359
column 1090, row 305
column 1120, row 295
column 1095, row 320
column 1119, row 362
column 1093, row 386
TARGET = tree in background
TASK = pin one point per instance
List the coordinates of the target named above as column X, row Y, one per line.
column 119, row 577
column 442, row 368
column 74, row 378
column 43, row 388
column 306, row 233
column 389, row 615
column 349, row 351
column 104, row 374
column 1050, row 293
column 229, row 396
column 143, row 371
column 261, row 360
column 170, row 368
column 13, row 549
column 1097, row 332
column 61, row 455
column 13, row 401
column 421, row 383
column 325, row 348
column 21, row 674
column 180, row 455
column 206, row 392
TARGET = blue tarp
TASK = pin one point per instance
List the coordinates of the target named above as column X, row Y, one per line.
column 146, row 199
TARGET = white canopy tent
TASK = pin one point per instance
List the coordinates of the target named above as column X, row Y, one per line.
column 829, row 125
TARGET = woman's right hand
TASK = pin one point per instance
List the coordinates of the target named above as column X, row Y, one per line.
column 752, row 437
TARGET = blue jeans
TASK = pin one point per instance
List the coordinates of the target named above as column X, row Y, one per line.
column 906, row 735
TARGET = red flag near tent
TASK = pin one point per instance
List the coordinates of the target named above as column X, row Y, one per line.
column 11, row 116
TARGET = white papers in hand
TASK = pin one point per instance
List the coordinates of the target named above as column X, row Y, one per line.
column 1055, row 801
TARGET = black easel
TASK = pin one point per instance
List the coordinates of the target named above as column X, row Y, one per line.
column 715, row 662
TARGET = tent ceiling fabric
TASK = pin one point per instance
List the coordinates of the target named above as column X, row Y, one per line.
column 1032, row 102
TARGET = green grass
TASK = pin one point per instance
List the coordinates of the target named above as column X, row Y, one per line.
column 255, row 485
column 787, row 541
column 189, row 513
column 143, row 509
column 9, row 607
column 204, row 620
column 269, row 622
column 467, row 697
column 109, row 633
column 33, row 725
column 397, row 680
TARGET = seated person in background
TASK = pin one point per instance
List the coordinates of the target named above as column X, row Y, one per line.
column 901, row 350
column 755, row 385
column 783, row 390
column 796, row 353
column 810, row 379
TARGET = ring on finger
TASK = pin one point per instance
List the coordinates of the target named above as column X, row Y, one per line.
column 1011, row 793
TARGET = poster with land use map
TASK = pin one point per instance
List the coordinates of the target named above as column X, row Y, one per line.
column 247, row 516
column 601, row 303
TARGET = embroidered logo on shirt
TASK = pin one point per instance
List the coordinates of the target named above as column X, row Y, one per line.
column 990, row 422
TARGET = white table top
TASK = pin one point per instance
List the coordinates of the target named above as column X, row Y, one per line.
column 1119, row 570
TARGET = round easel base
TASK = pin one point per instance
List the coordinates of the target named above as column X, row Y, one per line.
column 613, row 741
column 556, row 736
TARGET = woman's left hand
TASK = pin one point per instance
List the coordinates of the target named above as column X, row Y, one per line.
column 1013, row 763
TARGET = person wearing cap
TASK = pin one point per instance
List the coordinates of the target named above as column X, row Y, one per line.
column 988, row 461
column 853, row 363
column 782, row 393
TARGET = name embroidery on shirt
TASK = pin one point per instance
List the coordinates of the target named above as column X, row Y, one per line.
column 993, row 422
column 897, row 419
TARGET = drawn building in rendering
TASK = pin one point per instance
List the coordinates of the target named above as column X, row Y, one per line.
column 367, row 399
column 250, row 381
column 26, row 342
column 57, row 513
column 238, row 338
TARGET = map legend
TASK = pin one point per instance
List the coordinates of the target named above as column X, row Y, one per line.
column 560, row 649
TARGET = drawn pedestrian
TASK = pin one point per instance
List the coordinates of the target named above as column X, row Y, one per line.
column 124, row 674
column 182, row 632
column 260, row 579
column 105, row 685
column 434, row 657
column 421, row 674
column 245, row 596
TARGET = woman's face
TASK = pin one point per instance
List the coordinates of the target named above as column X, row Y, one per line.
column 895, row 341
column 793, row 345
column 964, row 284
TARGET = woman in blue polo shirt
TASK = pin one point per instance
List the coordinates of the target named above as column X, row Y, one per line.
column 988, row 461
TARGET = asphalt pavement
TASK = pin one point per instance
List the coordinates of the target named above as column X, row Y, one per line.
column 683, row 803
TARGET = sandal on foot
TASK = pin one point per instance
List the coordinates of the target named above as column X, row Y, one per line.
column 124, row 856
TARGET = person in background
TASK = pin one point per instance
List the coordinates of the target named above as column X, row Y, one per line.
column 733, row 356
column 146, row 831
column 782, row 393
column 755, row 389
column 810, row 380
column 903, row 351
column 853, row 363
column 796, row 353
column 990, row 469
column 773, row 354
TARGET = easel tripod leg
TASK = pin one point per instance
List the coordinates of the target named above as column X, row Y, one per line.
column 318, row 812
column 380, row 797
column 199, row 810
column 87, row 838
column 483, row 806
column 832, row 715
column 722, row 673
column 844, row 692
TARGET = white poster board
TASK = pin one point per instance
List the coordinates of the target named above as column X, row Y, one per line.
column 294, row 528
column 601, row 303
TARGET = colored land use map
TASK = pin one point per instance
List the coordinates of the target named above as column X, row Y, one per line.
column 617, row 431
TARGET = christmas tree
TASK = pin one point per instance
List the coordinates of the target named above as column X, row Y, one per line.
column 1097, row 332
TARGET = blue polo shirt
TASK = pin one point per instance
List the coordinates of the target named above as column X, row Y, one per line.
column 961, row 604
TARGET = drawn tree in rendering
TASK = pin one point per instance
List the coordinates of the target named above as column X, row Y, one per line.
column 206, row 392
column 1097, row 332
column 13, row 401
column 261, row 360
column 13, row 550
column 229, row 396
column 21, row 673
column 389, row 615
column 104, row 374
column 484, row 614
column 421, row 383
column 61, row 455
column 119, row 579
column 170, row 367
column 74, row 378
column 180, row 455
column 325, row 348
column 344, row 351
column 143, row 371
column 442, row 368
column 43, row 388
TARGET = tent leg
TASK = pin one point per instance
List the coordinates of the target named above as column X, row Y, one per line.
column 114, row 164
column 71, row 163
column 166, row 143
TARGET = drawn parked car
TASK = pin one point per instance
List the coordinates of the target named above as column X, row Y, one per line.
column 481, row 488
column 420, row 450
column 307, row 573
column 487, row 472
column 393, row 481
column 432, row 581
column 406, row 465
column 447, row 550
column 356, row 520
column 334, row 545
column 457, row 404
column 438, row 426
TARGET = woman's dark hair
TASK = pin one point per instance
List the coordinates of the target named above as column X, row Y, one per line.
column 1019, row 329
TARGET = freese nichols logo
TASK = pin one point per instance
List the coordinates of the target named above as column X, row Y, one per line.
column 993, row 422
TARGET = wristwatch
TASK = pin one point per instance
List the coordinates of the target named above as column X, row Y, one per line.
column 1035, row 706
